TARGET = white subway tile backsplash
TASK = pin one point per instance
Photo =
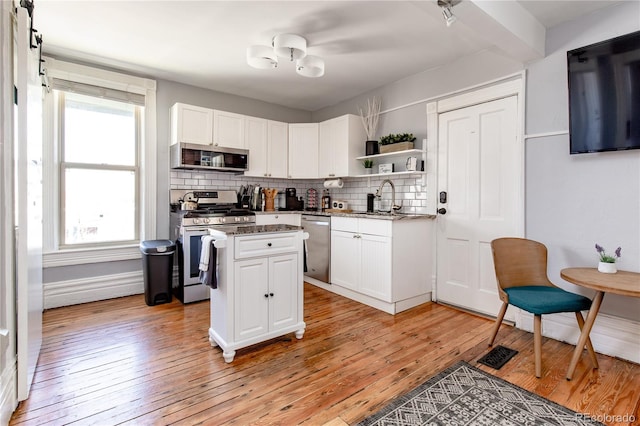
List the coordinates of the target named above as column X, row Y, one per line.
column 409, row 190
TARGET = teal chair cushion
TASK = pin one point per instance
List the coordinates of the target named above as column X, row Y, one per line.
column 546, row 300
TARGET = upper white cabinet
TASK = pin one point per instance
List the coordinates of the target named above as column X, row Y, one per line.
column 277, row 143
column 267, row 144
column 303, row 150
column 191, row 124
column 341, row 140
column 229, row 129
column 256, row 132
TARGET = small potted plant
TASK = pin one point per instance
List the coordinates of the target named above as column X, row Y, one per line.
column 607, row 263
column 368, row 164
column 396, row 142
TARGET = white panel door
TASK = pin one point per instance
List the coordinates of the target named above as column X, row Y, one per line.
column 480, row 168
column 28, row 208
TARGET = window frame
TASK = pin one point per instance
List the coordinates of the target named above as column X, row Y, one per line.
column 54, row 254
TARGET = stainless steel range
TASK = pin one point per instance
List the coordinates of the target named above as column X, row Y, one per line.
column 188, row 226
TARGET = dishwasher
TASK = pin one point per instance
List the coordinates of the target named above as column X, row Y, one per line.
column 318, row 246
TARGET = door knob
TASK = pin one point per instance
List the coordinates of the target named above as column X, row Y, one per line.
column 442, row 210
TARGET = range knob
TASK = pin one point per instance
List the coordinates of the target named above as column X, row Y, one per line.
column 205, row 220
column 196, row 221
column 238, row 219
column 247, row 218
column 223, row 219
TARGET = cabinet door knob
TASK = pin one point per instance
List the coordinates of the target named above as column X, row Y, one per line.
column 271, row 294
column 269, row 244
column 266, row 295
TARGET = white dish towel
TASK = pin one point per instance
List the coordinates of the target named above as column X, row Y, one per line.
column 205, row 252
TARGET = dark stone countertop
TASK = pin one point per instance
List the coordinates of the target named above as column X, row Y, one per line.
column 255, row 229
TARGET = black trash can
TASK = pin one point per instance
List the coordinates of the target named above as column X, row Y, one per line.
column 157, row 266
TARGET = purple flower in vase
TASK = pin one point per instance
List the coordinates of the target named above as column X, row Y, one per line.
column 604, row 257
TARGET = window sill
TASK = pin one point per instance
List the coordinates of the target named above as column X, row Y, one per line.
column 70, row 257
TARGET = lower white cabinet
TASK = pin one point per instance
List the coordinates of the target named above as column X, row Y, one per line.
column 266, row 295
column 260, row 290
column 384, row 263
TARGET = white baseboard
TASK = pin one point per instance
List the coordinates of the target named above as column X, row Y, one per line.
column 8, row 392
column 388, row 307
column 91, row 289
column 614, row 336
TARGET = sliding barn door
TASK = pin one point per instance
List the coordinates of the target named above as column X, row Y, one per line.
column 28, row 206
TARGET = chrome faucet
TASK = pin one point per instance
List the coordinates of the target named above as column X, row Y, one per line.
column 394, row 207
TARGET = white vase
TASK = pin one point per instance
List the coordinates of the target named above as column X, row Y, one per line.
column 367, row 171
column 607, row 268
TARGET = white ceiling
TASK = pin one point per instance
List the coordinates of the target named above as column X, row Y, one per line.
column 365, row 44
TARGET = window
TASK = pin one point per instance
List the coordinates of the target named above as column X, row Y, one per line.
column 99, row 144
column 99, row 166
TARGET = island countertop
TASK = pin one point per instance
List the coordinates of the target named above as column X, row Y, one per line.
column 255, row 229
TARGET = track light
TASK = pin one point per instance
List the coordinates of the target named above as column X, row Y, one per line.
column 446, row 6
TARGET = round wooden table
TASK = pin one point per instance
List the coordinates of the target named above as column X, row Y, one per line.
column 623, row 282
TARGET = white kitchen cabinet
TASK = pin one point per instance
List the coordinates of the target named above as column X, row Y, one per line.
column 266, row 295
column 267, row 144
column 279, row 219
column 259, row 295
column 386, row 264
column 256, row 134
column 229, row 129
column 340, row 141
column 277, row 140
column 303, row 151
column 191, row 124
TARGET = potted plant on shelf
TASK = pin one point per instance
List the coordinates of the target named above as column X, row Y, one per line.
column 368, row 164
column 607, row 263
column 370, row 123
column 398, row 142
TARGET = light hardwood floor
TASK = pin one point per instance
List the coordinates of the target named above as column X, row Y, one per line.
column 122, row 362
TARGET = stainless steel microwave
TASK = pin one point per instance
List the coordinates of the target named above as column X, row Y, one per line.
column 194, row 156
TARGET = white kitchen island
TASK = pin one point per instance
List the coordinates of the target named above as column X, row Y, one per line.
column 259, row 294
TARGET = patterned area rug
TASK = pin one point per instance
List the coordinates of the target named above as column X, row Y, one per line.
column 464, row 395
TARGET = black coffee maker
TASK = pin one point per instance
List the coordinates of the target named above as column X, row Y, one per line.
column 291, row 201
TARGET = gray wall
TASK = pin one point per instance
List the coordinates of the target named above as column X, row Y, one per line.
column 575, row 201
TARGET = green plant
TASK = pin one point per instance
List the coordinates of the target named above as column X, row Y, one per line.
column 367, row 164
column 400, row 137
column 604, row 257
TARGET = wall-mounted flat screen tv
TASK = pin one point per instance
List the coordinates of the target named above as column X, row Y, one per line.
column 604, row 95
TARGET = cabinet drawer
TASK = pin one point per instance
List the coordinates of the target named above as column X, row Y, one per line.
column 347, row 224
column 265, row 245
column 278, row 219
column 375, row 227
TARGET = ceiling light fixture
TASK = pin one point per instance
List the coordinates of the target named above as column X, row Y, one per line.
column 289, row 46
column 446, row 6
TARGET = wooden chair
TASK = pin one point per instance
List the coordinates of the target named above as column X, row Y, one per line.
column 521, row 272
